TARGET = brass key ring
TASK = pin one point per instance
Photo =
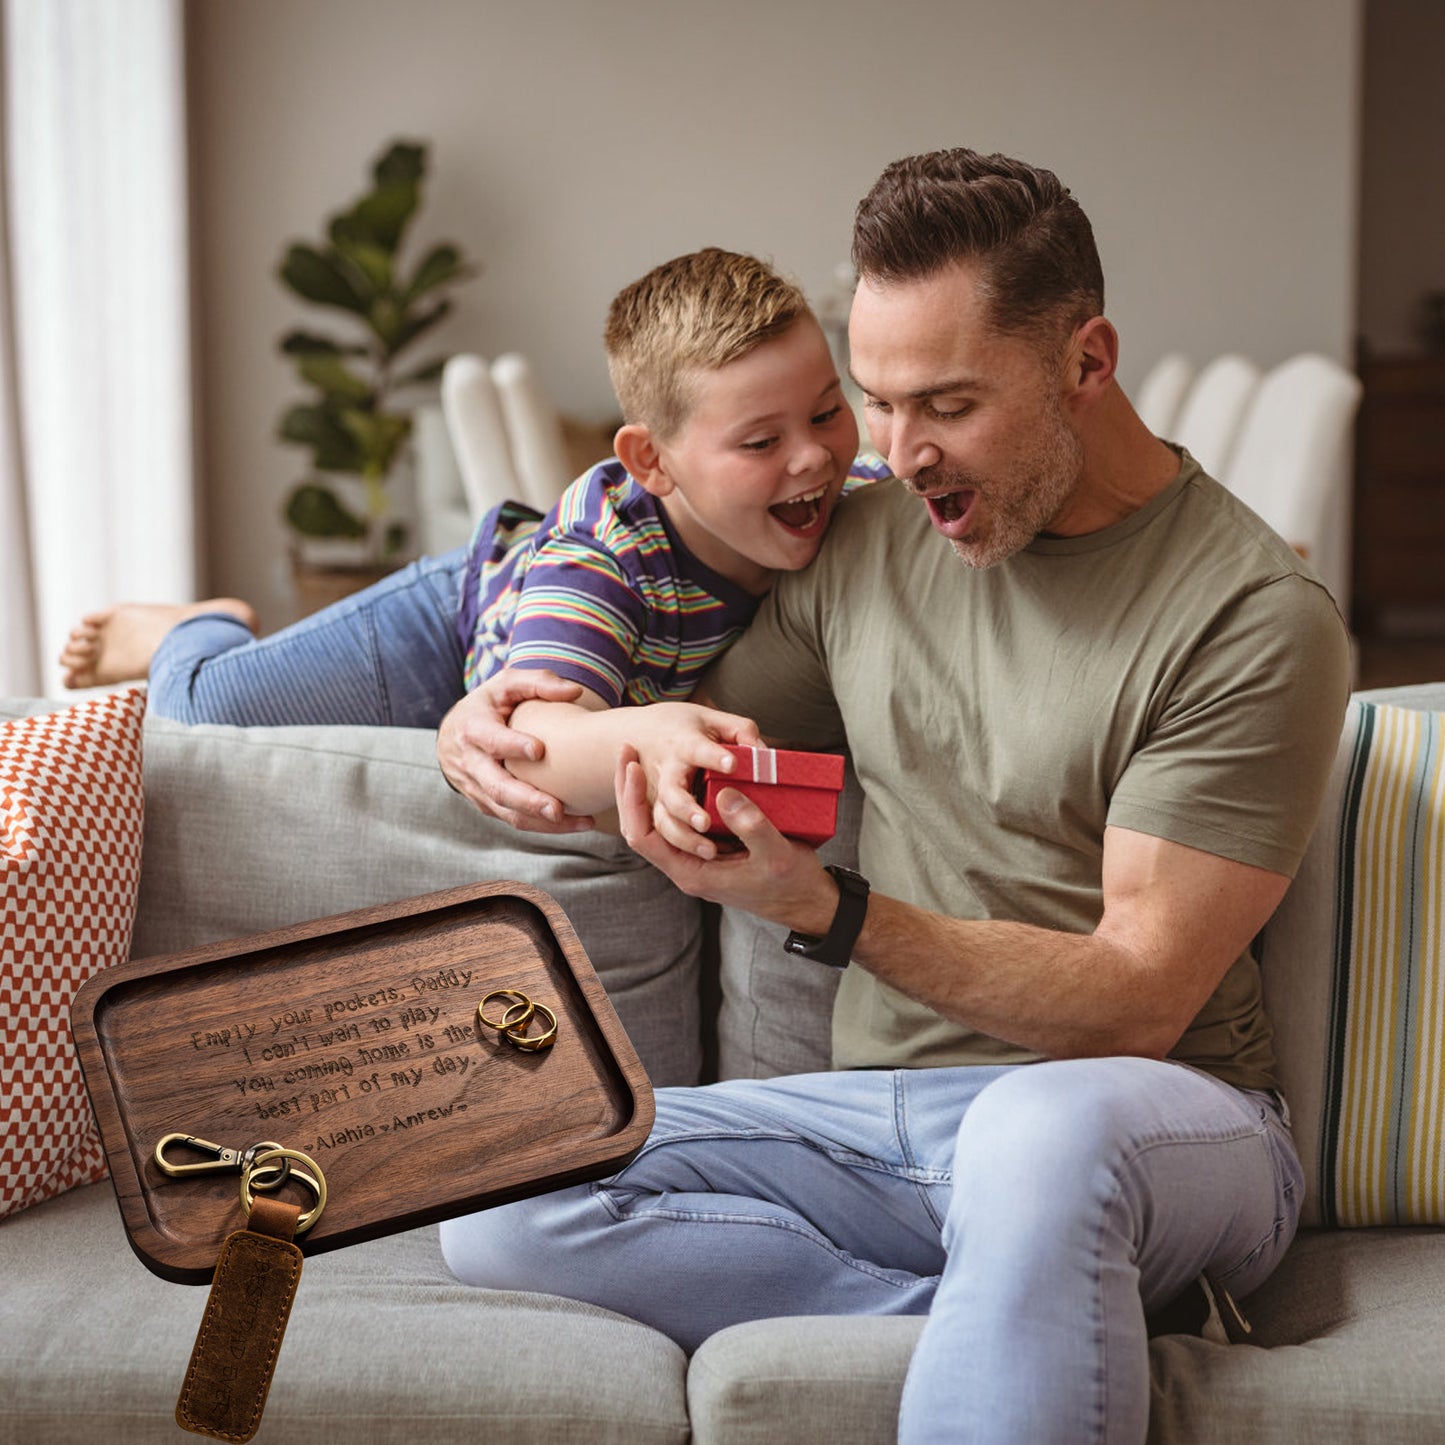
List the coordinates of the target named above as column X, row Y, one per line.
column 515, row 1029
column 506, row 1021
column 265, row 1162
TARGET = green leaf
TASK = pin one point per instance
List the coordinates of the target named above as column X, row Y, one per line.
column 381, row 218
column 417, row 322
column 384, row 316
column 320, row 427
column 378, row 436
column 316, row 511
column 403, row 164
column 306, row 343
column 331, row 374
column 356, row 245
column 317, row 277
column 441, row 266
column 385, row 214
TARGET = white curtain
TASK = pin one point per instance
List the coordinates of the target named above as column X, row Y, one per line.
column 19, row 655
column 96, row 466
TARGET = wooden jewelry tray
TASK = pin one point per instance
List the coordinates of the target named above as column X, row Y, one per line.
column 355, row 1039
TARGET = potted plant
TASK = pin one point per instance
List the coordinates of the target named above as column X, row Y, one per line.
column 355, row 428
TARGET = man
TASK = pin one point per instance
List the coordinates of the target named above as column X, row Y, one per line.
column 1091, row 758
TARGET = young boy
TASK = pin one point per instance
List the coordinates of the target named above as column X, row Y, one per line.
column 737, row 445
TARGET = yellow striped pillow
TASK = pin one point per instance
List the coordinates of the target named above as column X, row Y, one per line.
column 1354, row 967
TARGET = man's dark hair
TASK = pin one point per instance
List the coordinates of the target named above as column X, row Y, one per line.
column 1029, row 237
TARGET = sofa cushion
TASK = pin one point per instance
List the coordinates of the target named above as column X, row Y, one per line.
column 834, row 1380
column 70, row 846
column 1348, row 1349
column 248, row 829
column 383, row 1347
column 1349, row 1352
column 1354, row 973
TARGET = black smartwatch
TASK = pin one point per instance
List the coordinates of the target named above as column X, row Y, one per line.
column 836, row 946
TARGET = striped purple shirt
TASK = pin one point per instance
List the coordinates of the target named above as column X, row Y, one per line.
column 602, row 591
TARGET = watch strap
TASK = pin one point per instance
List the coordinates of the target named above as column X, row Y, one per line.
column 835, row 947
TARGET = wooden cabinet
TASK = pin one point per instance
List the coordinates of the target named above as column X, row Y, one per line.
column 1399, row 565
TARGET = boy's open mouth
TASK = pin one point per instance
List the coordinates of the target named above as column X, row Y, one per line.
column 802, row 514
column 950, row 511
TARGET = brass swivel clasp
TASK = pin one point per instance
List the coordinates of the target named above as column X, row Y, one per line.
column 220, row 1160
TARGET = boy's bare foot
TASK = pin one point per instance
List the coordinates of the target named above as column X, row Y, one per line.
column 117, row 644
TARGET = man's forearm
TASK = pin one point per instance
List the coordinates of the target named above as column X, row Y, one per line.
column 1174, row 919
column 1063, row 995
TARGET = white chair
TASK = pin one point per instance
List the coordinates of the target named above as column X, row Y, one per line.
column 539, row 448
column 1212, row 413
column 443, row 514
column 509, row 441
column 1294, row 462
column 1162, row 391
column 478, row 434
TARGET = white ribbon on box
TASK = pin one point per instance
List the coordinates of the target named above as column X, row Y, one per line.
column 764, row 765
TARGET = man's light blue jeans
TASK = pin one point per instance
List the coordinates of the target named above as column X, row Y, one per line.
column 1034, row 1213
column 387, row 657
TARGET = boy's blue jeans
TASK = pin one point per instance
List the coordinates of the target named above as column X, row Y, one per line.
column 1034, row 1213
column 389, row 657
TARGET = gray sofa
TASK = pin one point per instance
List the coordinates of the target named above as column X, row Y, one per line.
column 250, row 829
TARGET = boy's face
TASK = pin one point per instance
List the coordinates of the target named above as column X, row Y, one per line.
column 758, row 465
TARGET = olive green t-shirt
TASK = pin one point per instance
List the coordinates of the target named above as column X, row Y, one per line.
column 1182, row 674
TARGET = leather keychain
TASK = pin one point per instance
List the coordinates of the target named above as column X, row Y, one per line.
column 229, row 1375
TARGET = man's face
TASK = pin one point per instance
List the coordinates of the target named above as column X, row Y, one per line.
column 972, row 421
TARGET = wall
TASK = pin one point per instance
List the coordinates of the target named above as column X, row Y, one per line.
column 578, row 142
column 1402, row 193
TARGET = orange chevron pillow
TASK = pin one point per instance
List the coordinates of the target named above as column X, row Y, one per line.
column 70, row 839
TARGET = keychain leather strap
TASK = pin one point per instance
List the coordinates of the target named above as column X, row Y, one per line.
column 229, row 1376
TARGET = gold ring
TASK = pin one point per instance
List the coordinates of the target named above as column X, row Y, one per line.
column 316, row 1183
column 521, row 1021
column 522, row 1002
column 515, row 1032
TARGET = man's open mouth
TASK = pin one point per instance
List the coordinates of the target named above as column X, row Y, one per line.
column 802, row 514
column 949, row 511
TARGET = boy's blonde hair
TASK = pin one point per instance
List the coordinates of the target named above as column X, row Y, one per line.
column 694, row 313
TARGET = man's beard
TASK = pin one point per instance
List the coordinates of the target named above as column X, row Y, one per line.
column 1025, row 501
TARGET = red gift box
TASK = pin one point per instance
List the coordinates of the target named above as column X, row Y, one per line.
column 797, row 791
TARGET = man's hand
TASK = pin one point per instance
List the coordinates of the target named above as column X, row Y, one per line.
column 770, row 875
column 474, row 741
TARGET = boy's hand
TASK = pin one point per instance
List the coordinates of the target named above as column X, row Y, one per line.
column 474, row 741
column 770, row 875
column 673, row 742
